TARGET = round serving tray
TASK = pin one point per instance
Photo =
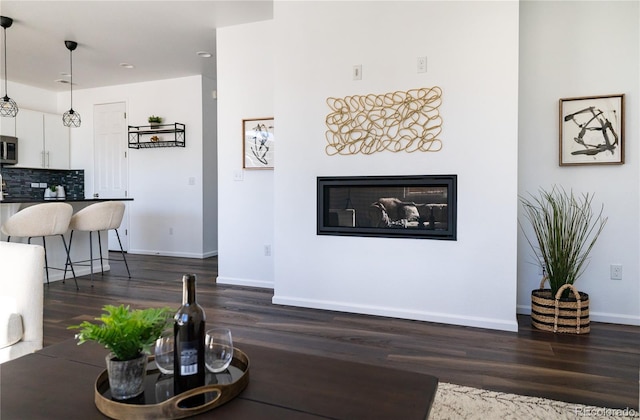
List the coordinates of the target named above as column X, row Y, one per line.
column 158, row 400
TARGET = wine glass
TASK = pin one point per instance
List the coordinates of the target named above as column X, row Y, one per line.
column 218, row 349
column 164, row 388
column 164, row 352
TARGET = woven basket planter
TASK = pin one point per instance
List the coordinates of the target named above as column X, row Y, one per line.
column 556, row 314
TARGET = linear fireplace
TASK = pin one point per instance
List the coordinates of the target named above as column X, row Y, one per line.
column 421, row 206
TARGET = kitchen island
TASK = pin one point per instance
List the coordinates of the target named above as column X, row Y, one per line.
column 31, row 200
column 55, row 249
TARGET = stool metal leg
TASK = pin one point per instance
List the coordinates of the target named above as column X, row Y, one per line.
column 69, row 262
column 91, row 257
column 64, row 242
column 122, row 253
column 100, row 247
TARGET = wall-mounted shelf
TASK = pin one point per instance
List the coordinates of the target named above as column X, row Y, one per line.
column 141, row 136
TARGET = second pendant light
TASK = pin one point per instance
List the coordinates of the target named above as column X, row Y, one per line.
column 71, row 118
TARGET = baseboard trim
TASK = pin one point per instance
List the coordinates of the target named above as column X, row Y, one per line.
column 467, row 321
column 245, row 282
column 609, row 318
column 57, row 275
column 169, row 253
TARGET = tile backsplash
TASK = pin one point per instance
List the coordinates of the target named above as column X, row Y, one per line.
column 18, row 181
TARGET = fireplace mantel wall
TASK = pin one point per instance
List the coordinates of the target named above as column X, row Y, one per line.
column 499, row 135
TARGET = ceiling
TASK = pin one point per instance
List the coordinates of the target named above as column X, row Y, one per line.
column 159, row 38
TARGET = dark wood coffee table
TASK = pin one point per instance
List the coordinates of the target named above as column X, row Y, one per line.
column 58, row 383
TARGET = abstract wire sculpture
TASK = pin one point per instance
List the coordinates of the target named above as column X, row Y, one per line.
column 398, row 121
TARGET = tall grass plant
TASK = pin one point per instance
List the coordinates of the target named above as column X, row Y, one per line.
column 566, row 229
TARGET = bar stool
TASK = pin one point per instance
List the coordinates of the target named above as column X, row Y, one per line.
column 98, row 217
column 42, row 220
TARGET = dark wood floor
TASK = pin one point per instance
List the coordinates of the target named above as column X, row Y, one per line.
column 600, row 368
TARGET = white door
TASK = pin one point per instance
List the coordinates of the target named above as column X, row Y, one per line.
column 111, row 175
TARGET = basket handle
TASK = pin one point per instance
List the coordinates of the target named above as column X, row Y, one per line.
column 557, row 304
column 542, row 282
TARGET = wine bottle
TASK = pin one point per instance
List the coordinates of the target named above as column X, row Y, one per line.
column 189, row 330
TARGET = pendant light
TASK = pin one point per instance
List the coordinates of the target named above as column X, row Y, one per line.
column 8, row 107
column 71, row 118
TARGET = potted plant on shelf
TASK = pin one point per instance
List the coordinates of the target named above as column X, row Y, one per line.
column 155, row 121
column 129, row 335
column 566, row 229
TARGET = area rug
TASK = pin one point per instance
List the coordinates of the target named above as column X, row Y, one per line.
column 457, row 402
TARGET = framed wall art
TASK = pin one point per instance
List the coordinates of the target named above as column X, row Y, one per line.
column 592, row 130
column 258, row 143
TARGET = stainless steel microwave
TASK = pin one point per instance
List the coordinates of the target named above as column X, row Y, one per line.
column 8, row 150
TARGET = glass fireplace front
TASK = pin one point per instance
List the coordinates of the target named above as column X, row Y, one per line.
column 420, row 206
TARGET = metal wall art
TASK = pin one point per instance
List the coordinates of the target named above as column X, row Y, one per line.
column 398, row 121
column 592, row 130
column 258, row 143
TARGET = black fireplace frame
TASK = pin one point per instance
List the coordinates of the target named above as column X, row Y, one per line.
column 417, row 198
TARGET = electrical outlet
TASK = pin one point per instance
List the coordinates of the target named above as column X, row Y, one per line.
column 357, row 72
column 267, row 250
column 238, row 175
column 422, row 64
column 616, row 271
column 35, row 185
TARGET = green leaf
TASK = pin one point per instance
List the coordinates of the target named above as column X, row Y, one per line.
column 126, row 332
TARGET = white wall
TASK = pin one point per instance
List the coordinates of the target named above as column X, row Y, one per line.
column 158, row 178
column 210, row 166
column 471, row 281
column 29, row 97
column 574, row 49
column 26, row 97
column 245, row 90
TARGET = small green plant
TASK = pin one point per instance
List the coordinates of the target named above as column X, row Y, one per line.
column 126, row 332
column 155, row 119
column 566, row 229
column 53, row 188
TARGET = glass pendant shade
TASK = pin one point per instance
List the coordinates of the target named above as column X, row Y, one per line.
column 71, row 118
column 8, row 107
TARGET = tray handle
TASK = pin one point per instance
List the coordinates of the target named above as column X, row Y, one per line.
column 175, row 401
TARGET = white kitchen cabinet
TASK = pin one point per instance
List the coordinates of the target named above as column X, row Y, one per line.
column 56, row 142
column 43, row 142
column 8, row 126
